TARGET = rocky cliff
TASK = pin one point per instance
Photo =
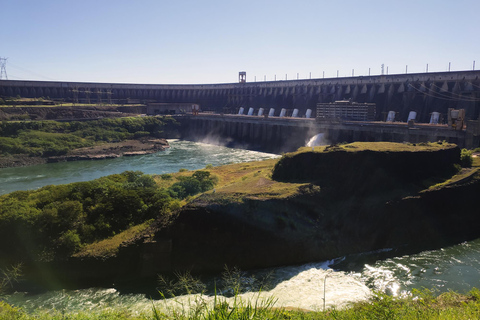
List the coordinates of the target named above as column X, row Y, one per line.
column 331, row 203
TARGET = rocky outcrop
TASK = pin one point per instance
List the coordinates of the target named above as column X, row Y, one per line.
column 112, row 150
column 333, row 217
column 134, row 147
column 210, row 233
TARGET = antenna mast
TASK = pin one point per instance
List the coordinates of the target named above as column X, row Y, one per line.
column 3, row 68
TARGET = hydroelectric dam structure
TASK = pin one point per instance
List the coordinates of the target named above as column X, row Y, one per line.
column 422, row 93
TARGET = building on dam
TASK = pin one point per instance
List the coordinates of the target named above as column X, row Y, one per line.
column 426, row 96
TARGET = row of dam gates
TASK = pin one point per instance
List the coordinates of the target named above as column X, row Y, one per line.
column 423, row 93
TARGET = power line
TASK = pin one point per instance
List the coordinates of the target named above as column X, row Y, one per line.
column 31, row 72
column 460, row 97
column 442, row 96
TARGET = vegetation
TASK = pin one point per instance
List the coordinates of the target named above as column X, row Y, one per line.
column 466, row 159
column 379, row 146
column 89, row 219
column 420, row 305
column 52, row 138
column 383, row 164
column 57, row 221
column 7, row 278
column 200, row 181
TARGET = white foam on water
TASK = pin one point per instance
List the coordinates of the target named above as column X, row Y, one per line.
column 299, row 287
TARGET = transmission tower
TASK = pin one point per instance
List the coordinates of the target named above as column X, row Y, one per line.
column 99, row 97
column 75, row 92
column 109, row 96
column 3, row 69
column 87, row 95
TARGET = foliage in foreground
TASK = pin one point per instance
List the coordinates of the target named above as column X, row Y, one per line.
column 56, row 221
column 421, row 305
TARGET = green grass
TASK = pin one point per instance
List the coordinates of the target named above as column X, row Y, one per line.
column 420, row 305
column 109, row 247
column 380, row 147
column 235, row 181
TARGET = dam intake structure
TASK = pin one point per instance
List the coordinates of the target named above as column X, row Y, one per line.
column 423, row 93
column 277, row 116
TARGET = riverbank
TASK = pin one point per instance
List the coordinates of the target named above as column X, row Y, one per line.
column 106, row 150
column 24, row 143
column 236, row 182
column 68, row 113
column 423, row 304
column 332, row 209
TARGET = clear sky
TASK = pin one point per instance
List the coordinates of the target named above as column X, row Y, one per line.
column 210, row 41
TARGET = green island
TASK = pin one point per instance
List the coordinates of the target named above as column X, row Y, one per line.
column 25, row 143
column 311, row 205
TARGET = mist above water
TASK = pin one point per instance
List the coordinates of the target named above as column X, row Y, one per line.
column 317, row 140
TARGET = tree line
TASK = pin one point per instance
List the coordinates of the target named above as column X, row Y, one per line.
column 56, row 221
column 53, row 138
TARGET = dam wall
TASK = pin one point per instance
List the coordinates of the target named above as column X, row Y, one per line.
column 278, row 135
column 423, row 93
column 275, row 136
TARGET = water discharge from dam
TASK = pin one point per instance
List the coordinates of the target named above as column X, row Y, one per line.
column 350, row 278
column 317, row 140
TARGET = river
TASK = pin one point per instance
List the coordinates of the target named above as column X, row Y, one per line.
column 346, row 279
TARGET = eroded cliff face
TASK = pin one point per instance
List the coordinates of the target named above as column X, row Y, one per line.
column 263, row 233
column 371, row 204
column 357, row 202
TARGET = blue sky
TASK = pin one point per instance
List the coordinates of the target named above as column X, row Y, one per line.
column 209, row 41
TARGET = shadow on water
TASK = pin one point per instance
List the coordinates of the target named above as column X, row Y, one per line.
column 346, row 279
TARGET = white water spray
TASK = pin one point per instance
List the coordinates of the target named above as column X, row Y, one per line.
column 317, row 140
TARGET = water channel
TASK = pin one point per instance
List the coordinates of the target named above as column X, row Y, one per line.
column 340, row 281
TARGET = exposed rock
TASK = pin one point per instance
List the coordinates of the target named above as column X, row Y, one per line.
column 320, row 222
column 104, row 151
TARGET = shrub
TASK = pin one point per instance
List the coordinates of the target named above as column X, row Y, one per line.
column 55, row 221
column 68, row 243
column 200, row 181
column 466, row 159
column 166, row 176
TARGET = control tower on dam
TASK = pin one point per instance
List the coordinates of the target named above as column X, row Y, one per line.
column 423, row 93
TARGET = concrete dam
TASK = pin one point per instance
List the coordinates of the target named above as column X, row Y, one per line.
column 423, row 93
column 278, row 135
column 290, row 126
